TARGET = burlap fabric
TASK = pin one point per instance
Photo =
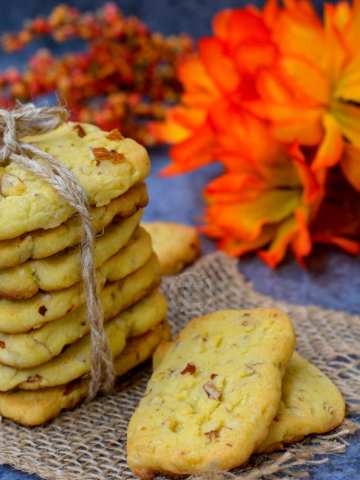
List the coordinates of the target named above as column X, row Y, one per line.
column 89, row 443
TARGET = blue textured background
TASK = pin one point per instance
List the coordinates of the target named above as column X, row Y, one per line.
column 332, row 280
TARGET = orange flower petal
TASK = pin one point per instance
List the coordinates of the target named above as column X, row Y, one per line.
column 304, row 10
column 331, row 147
column 291, row 124
column 352, row 33
column 350, row 165
column 218, row 64
column 189, row 118
column 168, row 131
column 298, row 31
column 348, row 118
column 246, row 220
column 240, row 25
column 271, row 12
column 200, row 89
column 250, row 56
column 220, row 24
column 348, row 85
column 178, row 125
column 236, row 247
column 246, row 147
column 306, row 79
column 349, row 246
column 336, row 54
column 283, row 237
column 301, row 243
column 312, row 191
column 192, row 153
column 272, row 89
column 230, row 188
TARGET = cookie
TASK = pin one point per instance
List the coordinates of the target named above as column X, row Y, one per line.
column 44, row 243
column 104, row 168
column 211, row 401
column 176, row 245
column 63, row 270
column 74, row 361
column 41, row 345
column 24, row 315
column 310, row 404
column 32, row 408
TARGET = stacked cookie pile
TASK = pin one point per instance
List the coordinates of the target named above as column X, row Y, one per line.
column 44, row 334
column 228, row 386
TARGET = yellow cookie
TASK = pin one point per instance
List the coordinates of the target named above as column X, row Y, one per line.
column 74, row 361
column 44, row 243
column 24, row 315
column 41, row 345
column 64, row 269
column 32, row 408
column 176, row 245
column 105, row 169
column 212, row 399
column 310, row 404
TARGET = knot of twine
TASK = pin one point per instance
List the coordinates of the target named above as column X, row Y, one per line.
column 30, row 120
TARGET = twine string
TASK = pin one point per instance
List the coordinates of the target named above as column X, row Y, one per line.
column 31, row 120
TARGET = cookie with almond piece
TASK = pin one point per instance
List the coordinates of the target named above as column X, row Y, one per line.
column 175, row 245
column 310, row 404
column 212, row 399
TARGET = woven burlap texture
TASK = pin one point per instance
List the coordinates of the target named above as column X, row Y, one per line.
column 89, row 442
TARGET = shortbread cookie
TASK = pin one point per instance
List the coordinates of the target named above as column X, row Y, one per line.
column 176, row 245
column 63, row 270
column 32, row 408
column 310, row 404
column 44, row 243
column 212, row 399
column 74, row 361
column 38, row 346
column 24, row 315
column 104, row 167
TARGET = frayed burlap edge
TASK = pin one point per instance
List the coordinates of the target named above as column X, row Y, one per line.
column 89, row 443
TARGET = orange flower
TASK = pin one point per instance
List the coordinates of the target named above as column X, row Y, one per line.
column 223, row 70
column 274, row 95
column 268, row 195
column 311, row 94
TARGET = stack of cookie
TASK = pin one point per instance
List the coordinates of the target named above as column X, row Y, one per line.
column 44, row 334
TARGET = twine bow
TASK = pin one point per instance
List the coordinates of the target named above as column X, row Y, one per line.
column 30, row 120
